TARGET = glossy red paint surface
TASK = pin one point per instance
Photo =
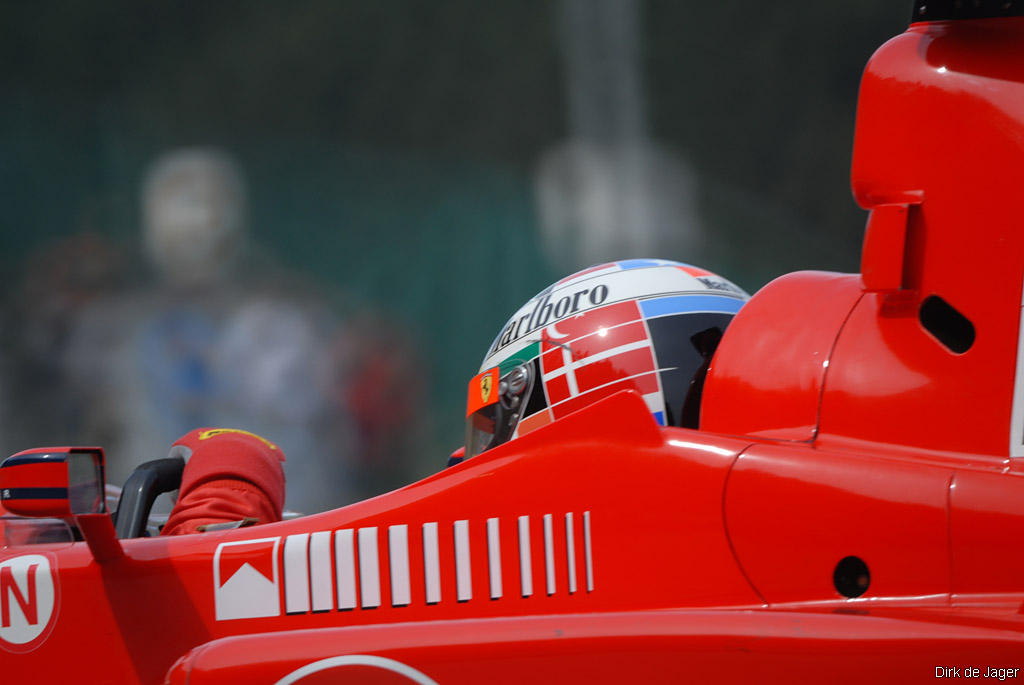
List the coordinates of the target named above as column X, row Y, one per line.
column 767, row 376
column 940, row 120
column 34, row 472
column 669, row 646
column 986, row 527
column 794, row 514
column 836, row 425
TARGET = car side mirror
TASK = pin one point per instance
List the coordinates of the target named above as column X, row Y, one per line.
column 62, row 482
column 54, row 482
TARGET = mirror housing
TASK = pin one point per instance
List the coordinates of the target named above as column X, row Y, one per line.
column 62, row 482
column 54, row 482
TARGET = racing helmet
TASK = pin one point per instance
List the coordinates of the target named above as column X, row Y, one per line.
column 647, row 325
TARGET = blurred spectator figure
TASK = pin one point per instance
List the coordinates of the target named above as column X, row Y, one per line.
column 380, row 382
column 61, row 279
column 216, row 340
column 274, row 372
column 217, row 335
column 144, row 358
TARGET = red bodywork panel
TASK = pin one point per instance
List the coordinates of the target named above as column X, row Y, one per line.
column 851, row 510
column 940, row 123
column 767, row 376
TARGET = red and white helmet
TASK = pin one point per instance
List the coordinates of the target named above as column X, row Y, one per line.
column 648, row 325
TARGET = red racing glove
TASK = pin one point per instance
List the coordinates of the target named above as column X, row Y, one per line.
column 232, row 476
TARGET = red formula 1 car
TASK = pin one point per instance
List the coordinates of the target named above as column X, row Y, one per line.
column 850, row 509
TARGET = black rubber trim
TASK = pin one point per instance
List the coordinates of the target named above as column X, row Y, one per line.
column 146, row 483
column 55, row 457
column 946, row 10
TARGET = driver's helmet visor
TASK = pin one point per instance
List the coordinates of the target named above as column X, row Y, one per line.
column 496, row 404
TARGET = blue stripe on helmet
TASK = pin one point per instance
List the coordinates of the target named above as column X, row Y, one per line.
column 684, row 304
column 641, row 263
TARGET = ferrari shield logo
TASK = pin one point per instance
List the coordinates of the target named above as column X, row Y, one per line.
column 482, row 391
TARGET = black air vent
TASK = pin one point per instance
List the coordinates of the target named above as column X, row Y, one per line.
column 949, row 326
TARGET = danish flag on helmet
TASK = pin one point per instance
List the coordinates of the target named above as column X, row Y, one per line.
column 646, row 325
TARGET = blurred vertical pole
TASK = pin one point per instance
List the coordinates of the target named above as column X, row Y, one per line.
column 601, row 44
column 604, row 79
column 610, row 191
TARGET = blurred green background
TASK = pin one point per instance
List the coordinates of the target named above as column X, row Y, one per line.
column 393, row 149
